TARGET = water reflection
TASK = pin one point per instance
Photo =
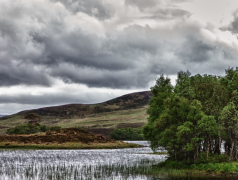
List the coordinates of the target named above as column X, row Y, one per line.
column 77, row 164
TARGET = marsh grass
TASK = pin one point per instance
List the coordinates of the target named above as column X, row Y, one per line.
column 52, row 166
column 111, row 171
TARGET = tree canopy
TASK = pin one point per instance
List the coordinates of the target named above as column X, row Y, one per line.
column 197, row 116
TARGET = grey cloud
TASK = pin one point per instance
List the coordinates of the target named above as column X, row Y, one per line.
column 160, row 12
column 78, row 49
column 56, row 98
column 91, row 7
column 132, row 49
column 38, row 45
column 141, row 3
column 180, row 1
column 173, row 13
column 14, row 103
column 40, row 99
column 23, row 76
column 195, row 50
column 234, row 24
column 201, row 57
column 102, row 78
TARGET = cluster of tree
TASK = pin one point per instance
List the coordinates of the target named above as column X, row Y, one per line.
column 197, row 116
column 127, row 134
column 32, row 126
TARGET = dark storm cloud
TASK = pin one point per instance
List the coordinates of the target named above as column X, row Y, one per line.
column 99, row 43
column 102, row 78
column 17, row 75
column 78, row 49
column 131, row 50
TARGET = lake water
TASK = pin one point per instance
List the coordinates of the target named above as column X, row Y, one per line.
column 79, row 164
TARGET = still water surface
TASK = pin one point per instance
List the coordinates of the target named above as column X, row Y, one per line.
column 110, row 164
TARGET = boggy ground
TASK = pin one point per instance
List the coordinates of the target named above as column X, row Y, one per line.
column 65, row 138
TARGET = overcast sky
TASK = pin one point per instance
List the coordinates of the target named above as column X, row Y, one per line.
column 55, row 52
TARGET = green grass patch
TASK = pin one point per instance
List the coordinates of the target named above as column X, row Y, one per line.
column 181, row 169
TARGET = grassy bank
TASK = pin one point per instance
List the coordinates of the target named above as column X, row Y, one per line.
column 68, row 145
column 179, row 169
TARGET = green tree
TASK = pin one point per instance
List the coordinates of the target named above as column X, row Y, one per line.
column 230, row 80
column 195, row 116
column 127, row 134
column 229, row 121
column 160, row 92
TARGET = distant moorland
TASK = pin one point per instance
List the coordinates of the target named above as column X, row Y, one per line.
column 122, row 112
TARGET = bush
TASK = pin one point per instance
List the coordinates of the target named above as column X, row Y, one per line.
column 24, row 129
column 30, row 129
column 53, row 128
column 127, row 134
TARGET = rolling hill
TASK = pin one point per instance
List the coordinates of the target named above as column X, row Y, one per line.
column 125, row 111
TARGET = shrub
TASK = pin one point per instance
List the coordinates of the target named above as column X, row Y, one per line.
column 127, row 134
column 30, row 129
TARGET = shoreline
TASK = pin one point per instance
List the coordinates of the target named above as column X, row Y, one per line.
column 68, row 145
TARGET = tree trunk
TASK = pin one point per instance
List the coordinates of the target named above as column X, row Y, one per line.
column 219, row 143
column 231, row 151
column 208, row 146
column 235, row 151
column 219, row 140
column 196, row 154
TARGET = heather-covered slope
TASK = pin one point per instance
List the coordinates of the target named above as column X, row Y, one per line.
column 66, row 138
column 125, row 111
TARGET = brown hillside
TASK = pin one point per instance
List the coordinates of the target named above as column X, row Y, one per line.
column 125, row 111
column 129, row 101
